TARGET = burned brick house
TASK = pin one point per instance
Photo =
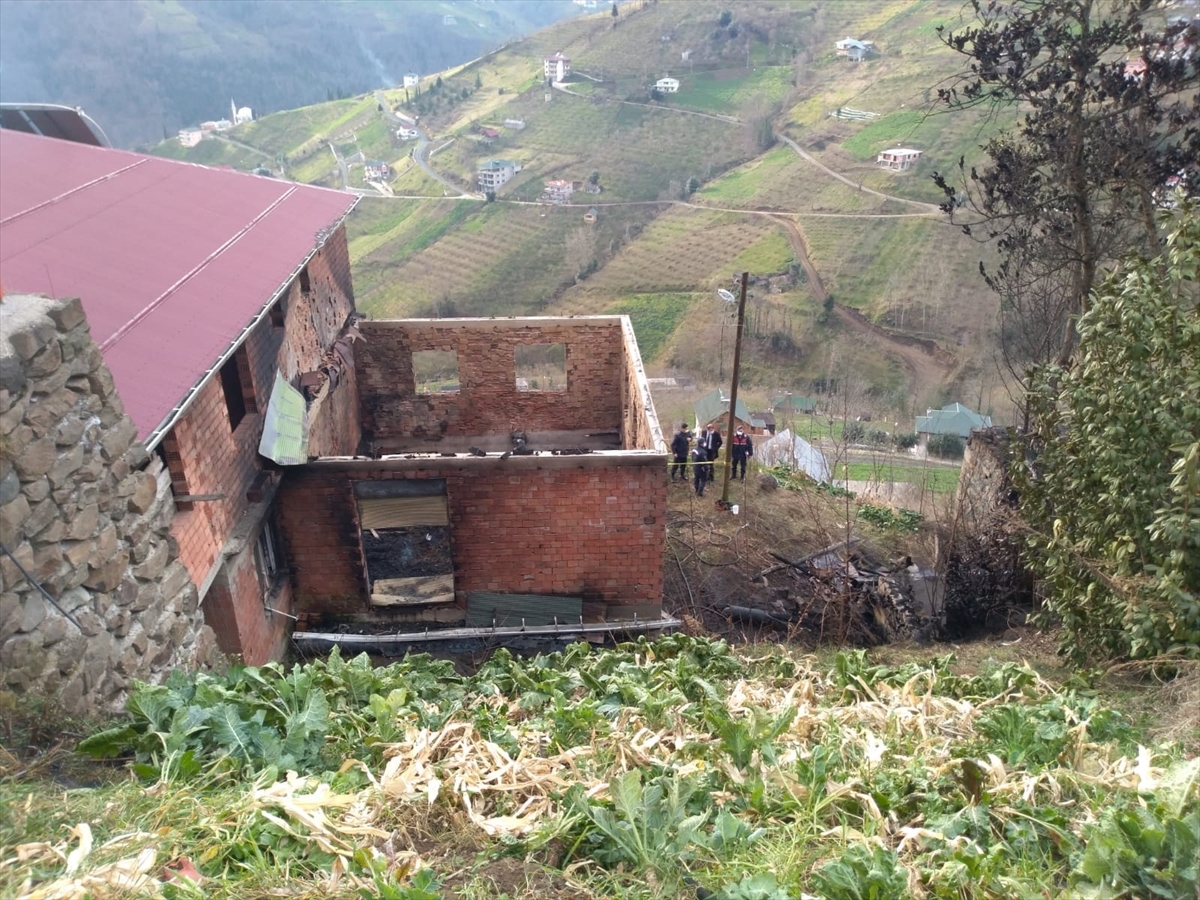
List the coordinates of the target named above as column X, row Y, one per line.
column 200, row 286
column 523, row 483
column 377, row 474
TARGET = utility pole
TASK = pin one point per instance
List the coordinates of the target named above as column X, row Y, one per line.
column 737, row 363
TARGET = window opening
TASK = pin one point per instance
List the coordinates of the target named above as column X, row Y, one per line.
column 435, row 371
column 305, row 284
column 268, row 553
column 168, row 451
column 541, row 367
column 238, row 388
column 278, row 312
column 405, row 532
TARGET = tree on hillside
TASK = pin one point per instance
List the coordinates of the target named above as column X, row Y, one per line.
column 1112, row 490
column 1104, row 120
column 594, row 178
column 614, row 9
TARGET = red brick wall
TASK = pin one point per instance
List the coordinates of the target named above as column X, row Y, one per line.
column 594, row 529
column 242, row 628
column 218, row 461
column 488, row 401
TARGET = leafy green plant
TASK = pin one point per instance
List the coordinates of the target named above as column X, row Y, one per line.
column 763, row 886
column 889, row 519
column 651, row 825
column 1111, row 494
column 864, row 872
column 423, row 886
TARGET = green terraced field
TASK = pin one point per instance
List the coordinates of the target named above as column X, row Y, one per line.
column 655, row 317
column 728, row 92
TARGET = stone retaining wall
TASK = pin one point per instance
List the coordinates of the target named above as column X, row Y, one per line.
column 85, row 513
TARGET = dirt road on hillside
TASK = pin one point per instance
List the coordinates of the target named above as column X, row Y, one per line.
column 925, row 360
column 930, row 208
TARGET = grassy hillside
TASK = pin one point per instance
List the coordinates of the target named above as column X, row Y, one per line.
column 770, row 64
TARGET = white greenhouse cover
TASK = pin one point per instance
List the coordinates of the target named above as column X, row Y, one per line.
column 791, row 450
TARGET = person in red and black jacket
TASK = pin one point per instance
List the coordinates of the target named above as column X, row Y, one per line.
column 743, row 449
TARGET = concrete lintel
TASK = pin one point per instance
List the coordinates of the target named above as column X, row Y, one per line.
column 483, row 324
column 536, row 440
column 604, row 459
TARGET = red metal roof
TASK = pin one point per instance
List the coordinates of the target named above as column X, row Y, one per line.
column 171, row 260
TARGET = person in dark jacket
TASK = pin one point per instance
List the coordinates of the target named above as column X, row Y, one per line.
column 680, row 445
column 743, row 449
column 711, row 442
column 700, row 469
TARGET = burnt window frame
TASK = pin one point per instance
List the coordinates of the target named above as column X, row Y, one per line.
column 237, row 385
column 270, row 559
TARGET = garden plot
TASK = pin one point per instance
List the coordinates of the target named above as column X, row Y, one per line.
column 637, row 773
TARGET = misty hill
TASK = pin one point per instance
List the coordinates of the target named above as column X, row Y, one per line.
column 146, row 68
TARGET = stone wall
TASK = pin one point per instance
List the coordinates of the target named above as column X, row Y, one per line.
column 986, row 585
column 84, row 512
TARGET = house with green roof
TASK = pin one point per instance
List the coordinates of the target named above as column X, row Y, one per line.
column 789, row 403
column 713, row 409
column 953, row 418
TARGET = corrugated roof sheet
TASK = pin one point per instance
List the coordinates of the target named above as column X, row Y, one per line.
column 954, row 418
column 53, row 120
column 171, row 260
column 714, row 404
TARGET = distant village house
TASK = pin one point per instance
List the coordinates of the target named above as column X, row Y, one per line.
column 190, row 137
column 591, row 216
column 558, row 191
column 899, row 159
column 515, row 124
column 495, row 173
column 667, row 85
column 556, row 67
column 411, row 79
column 854, row 50
column 377, row 170
column 953, row 418
column 713, row 410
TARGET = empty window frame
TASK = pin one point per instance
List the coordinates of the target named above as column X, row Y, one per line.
column 541, row 367
column 435, row 371
column 238, row 387
column 168, row 451
column 268, row 556
column 405, row 532
column 305, row 283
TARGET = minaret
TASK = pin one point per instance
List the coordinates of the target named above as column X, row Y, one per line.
column 232, row 111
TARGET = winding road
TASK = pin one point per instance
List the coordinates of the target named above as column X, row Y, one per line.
column 420, row 153
column 924, row 359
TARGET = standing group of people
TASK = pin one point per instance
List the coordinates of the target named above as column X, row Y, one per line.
column 704, row 454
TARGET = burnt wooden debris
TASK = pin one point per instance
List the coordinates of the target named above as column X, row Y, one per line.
column 841, row 593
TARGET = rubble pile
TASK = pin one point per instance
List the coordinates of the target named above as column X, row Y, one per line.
column 842, row 594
